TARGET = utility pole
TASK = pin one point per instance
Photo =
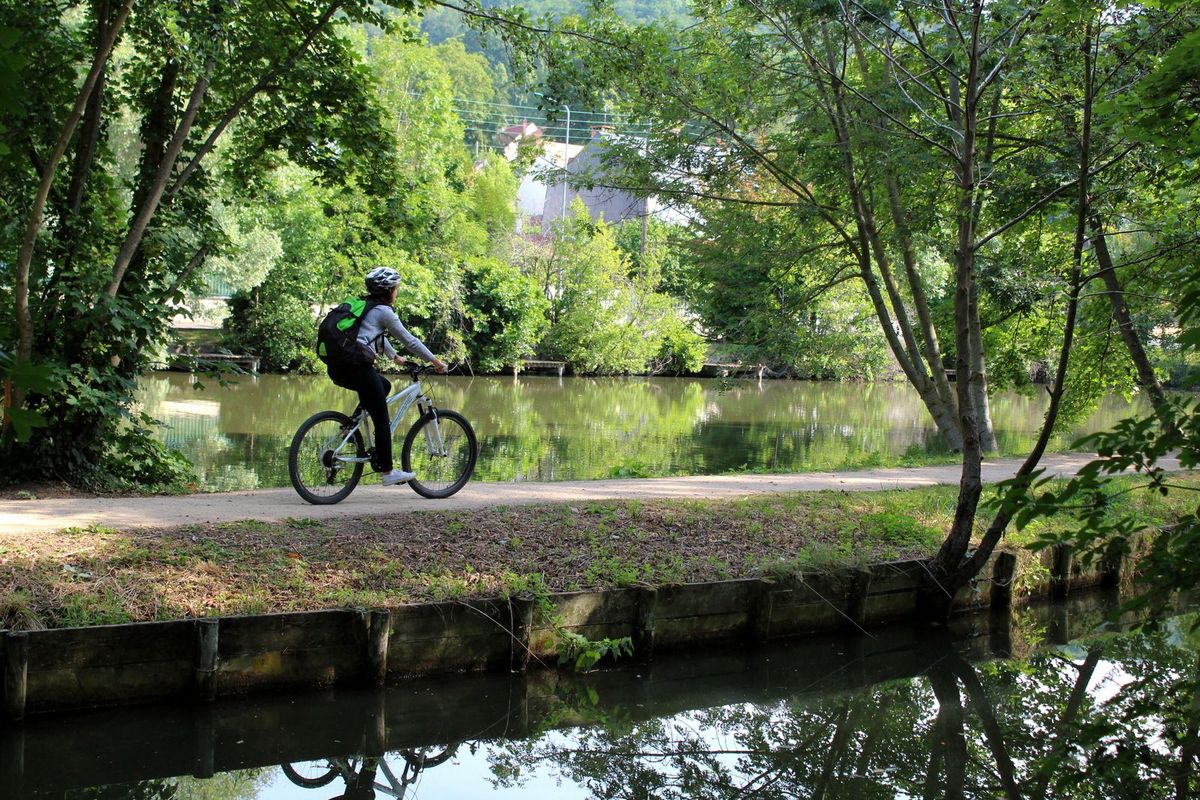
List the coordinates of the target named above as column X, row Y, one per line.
column 645, row 200
column 645, row 216
column 566, row 160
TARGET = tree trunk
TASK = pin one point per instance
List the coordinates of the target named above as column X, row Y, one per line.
column 933, row 350
column 950, row 732
column 943, row 415
column 978, row 376
column 842, row 734
column 89, row 134
column 908, row 357
column 1116, row 296
column 937, row 594
column 923, row 366
column 963, row 571
column 25, row 255
column 1061, row 744
column 992, row 733
column 1189, row 745
column 72, row 230
column 153, row 192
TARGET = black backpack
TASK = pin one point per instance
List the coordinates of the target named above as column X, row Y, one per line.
column 337, row 335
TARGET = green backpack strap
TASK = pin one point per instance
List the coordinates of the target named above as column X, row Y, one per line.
column 358, row 307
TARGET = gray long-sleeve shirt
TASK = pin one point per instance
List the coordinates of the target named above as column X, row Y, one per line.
column 380, row 322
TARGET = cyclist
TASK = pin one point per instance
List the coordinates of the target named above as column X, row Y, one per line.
column 378, row 322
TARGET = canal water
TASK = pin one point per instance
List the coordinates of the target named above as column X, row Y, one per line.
column 1048, row 704
column 550, row 429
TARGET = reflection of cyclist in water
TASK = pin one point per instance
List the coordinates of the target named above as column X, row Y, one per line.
column 362, row 781
column 361, row 785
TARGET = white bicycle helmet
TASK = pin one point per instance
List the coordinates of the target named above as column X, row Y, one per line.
column 381, row 279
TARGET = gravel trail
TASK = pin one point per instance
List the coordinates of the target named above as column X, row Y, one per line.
column 23, row 517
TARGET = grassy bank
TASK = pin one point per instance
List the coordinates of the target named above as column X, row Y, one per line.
column 101, row 575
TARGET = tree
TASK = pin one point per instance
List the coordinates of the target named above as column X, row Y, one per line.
column 252, row 248
column 505, row 314
column 1152, row 113
column 604, row 318
column 446, row 227
column 880, row 128
column 759, row 287
column 1019, row 730
column 494, row 198
column 89, row 297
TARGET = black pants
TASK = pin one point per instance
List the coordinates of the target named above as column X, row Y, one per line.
column 373, row 390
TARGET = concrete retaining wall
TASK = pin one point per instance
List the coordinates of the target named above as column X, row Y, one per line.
column 50, row 756
column 202, row 659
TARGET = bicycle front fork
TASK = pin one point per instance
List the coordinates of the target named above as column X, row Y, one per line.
column 433, row 433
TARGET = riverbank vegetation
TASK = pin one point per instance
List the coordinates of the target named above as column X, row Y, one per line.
column 275, row 160
column 983, row 191
column 100, row 575
column 970, row 167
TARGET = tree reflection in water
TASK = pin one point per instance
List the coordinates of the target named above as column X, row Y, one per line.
column 1113, row 719
column 547, row 429
column 1110, row 716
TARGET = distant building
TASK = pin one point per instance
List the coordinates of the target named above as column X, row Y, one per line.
column 542, row 197
column 513, row 134
column 532, row 193
column 611, row 205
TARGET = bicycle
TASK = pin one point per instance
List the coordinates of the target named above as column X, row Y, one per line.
column 363, row 773
column 328, row 452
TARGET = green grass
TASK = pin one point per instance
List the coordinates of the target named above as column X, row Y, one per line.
column 92, row 608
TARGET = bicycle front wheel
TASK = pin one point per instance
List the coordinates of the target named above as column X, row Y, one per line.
column 441, row 449
column 316, row 460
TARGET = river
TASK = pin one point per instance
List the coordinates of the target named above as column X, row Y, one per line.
column 550, row 429
column 1048, row 704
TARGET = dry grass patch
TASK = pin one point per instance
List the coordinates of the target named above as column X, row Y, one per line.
column 99, row 575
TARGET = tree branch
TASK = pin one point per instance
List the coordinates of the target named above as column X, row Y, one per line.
column 1050, row 196
column 234, row 110
column 149, row 205
column 25, row 255
column 857, row 94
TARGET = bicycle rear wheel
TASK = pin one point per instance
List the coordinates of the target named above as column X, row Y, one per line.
column 314, row 460
column 441, row 449
column 310, row 774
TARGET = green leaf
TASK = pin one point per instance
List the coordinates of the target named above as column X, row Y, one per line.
column 23, row 422
column 32, row 377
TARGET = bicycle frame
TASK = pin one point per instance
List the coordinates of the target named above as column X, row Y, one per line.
column 405, row 397
column 396, row 787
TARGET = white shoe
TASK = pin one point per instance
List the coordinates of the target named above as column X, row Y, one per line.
column 397, row 476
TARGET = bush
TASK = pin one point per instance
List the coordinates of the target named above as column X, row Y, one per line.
column 506, row 315
column 282, row 331
column 682, row 349
column 137, row 459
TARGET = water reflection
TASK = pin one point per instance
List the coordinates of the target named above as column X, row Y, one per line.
column 584, row 428
column 390, row 776
column 898, row 713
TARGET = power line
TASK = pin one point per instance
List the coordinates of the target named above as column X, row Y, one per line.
column 543, row 112
column 551, row 131
column 479, row 120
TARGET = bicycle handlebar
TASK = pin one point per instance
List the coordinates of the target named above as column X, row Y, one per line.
column 415, row 370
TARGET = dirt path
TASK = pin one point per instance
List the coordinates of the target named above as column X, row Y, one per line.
column 19, row 517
